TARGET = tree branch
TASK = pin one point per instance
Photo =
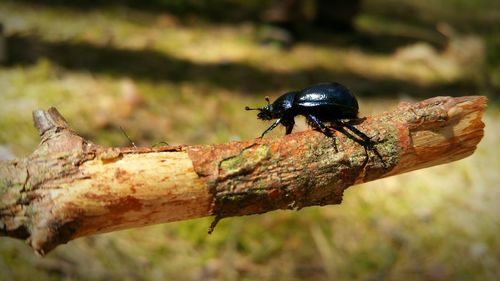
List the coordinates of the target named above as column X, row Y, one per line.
column 70, row 187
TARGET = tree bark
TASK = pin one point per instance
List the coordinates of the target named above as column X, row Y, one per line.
column 70, row 187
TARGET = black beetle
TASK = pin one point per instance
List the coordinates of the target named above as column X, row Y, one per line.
column 325, row 102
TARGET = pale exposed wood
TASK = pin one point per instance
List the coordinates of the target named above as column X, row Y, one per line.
column 70, row 188
column 113, row 195
column 436, row 143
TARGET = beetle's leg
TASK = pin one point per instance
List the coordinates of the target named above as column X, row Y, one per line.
column 314, row 121
column 366, row 140
column 276, row 123
column 288, row 123
column 317, row 123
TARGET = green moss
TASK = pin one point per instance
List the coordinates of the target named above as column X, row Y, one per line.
column 10, row 193
column 247, row 159
column 231, row 164
column 4, row 185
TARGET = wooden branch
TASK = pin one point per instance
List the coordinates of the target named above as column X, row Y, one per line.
column 70, row 187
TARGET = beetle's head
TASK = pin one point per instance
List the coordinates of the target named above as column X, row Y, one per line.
column 265, row 112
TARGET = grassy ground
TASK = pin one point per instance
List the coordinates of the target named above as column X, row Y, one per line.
column 163, row 78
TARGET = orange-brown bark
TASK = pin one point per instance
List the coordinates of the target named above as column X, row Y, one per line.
column 70, row 188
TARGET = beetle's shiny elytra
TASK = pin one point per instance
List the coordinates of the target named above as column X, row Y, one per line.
column 320, row 103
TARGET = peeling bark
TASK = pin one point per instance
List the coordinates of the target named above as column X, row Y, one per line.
column 70, row 187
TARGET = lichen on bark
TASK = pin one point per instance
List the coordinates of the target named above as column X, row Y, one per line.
column 292, row 172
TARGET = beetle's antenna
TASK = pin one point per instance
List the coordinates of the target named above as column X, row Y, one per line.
column 268, row 101
column 254, row 108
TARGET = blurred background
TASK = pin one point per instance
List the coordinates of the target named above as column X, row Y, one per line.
column 182, row 72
